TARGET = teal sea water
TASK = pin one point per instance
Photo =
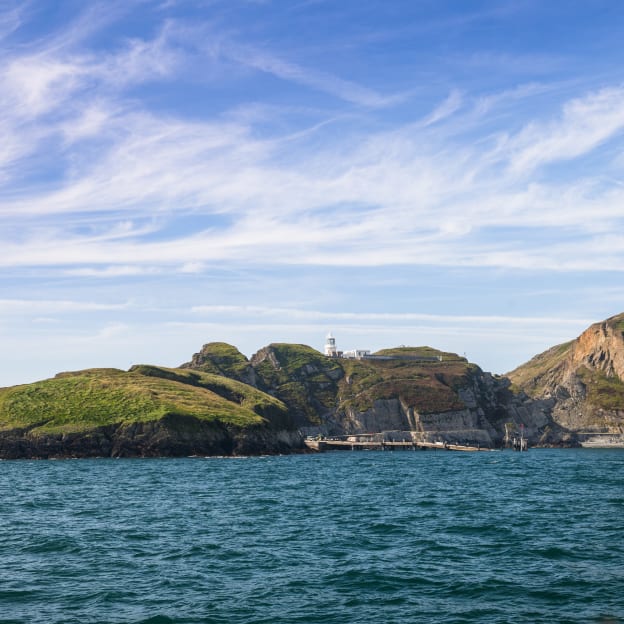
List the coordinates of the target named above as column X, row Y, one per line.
column 341, row 537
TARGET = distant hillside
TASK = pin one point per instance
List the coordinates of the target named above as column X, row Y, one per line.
column 222, row 403
column 583, row 379
column 146, row 411
column 441, row 396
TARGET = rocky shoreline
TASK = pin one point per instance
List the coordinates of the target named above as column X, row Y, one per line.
column 170, row 437
column 222, row 403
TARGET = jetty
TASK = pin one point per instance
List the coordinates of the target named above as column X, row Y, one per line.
column 349, row 443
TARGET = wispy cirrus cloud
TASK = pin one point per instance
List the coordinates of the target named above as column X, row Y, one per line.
column 163, row 163
column 295, row 315
column 450, row 105
column 414, row 194
column 42, row 306
column 584, row 124
column 11, row 17
column 322, row 81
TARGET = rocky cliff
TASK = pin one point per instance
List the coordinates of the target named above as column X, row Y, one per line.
column 433, row 395
column 581, row 383
column 222, row 403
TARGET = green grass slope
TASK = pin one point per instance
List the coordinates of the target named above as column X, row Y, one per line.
column 230, row 389
column 603, row 392
column 79, row 401
column 424, row 352
column 301, row 377
column 294, row 361
column 532, row 376
column 220, row 358
column 428, row 387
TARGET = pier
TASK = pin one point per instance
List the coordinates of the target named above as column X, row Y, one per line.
column 342, row 444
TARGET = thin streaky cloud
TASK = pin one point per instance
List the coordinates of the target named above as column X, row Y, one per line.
column 328, row 83
column 40, row 306
column 449, row 106
column 584, row 124
column 296, row 314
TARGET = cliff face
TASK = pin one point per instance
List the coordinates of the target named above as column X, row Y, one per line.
column 172, row 436
column 221, row 403
column 434, row 395
column 582, row 381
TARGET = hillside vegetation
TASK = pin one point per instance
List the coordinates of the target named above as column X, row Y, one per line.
column 314, row 386
column 425, row 386
column 582, row 381
column 533, row 376
column 221, row 402
column 79, row 401
column 301, row 377
column 221, row 358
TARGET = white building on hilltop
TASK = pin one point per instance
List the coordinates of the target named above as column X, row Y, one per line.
column 356, row 354
column 332, row 351
column 330, row 346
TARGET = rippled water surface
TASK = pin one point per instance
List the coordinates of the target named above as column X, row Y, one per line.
column 339, row 537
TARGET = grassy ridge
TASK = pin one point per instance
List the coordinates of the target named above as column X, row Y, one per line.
column 295, row 361
column 531, row 376
column 425, row 352
column 428, row 387
column 312, row 384
column 235, row 391
column 220, row 358
column 73, row 402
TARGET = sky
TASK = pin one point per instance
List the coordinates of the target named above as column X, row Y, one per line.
column 408, row 172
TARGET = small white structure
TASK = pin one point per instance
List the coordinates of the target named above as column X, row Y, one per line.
column 330, row 346
column 356, row 354
column 332, row 351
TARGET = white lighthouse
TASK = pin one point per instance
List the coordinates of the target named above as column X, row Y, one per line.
column 330, row 346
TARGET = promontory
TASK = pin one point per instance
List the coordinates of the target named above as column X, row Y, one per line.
column 222, row 403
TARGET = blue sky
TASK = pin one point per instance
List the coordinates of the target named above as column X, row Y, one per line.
column 421, row 172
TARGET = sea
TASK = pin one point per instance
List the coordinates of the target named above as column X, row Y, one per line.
column 338, row 537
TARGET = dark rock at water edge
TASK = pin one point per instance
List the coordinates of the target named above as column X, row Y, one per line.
column 172, row 436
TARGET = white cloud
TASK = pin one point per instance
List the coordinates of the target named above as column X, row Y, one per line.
column 296, row 315
column 584, row 124
column 450, row 105
column 11, row 18
column 113, row 271
column 41, row 306
column 321, row 81
column 410, row 195
column 34, row 85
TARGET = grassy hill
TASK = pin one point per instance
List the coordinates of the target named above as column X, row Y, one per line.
column 313, row 385
column 79, row 401
column 301, row 377
column 426, row 386
column 221, row 358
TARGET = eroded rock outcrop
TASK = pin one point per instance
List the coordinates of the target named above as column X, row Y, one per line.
column 581, row 383
column 434, row 395
column 222, row 403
